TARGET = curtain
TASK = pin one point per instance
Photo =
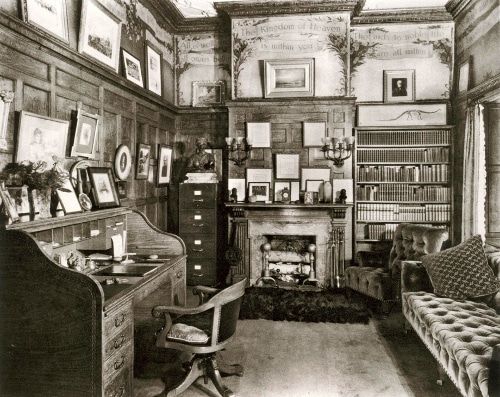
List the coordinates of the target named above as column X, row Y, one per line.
column 474, row 174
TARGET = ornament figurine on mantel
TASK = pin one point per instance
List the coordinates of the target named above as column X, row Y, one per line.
column 201, row 164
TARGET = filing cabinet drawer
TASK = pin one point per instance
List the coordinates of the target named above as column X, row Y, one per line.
column 201, row 272
column 120, row 360
column 200, row 246
column 120, row 386
column 194, row 195
column 115, row 343
column 118, row 321
column 197, row 221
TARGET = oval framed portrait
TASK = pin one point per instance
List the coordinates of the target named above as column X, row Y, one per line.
column 123, row 162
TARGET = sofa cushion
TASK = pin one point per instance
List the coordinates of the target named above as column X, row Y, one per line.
column 462, row 271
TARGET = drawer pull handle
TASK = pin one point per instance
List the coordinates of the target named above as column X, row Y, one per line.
column 199, row 250
column 119, row 343
column 198, row 224
column 198, row 275
column 198, row 200
column 117, row 365
column 179, row 274
column 120, row 392
column 119, row 320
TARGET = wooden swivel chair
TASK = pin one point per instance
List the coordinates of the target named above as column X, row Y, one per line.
column 202, row 331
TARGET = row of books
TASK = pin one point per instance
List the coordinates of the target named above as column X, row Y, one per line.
column 404, row 137
column 402, row 192
column 404, row 212
column 385, row 173
column 435, row 154
column 382, row 231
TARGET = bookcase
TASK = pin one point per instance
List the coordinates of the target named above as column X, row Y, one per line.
column 402, row 174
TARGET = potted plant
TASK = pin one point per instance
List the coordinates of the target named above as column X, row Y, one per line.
column 40, row 182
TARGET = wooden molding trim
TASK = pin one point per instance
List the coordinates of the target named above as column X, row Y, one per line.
column 455, row 7
column 483, row 89
column 428, row 14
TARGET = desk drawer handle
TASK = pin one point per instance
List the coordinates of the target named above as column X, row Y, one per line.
column 117, row 365
column 119, row 320
column 120, row 392
column 179, row 274
column 198, row 224
column 119, row 343
column 198, row 275
column 198, row 200
column 198, row 250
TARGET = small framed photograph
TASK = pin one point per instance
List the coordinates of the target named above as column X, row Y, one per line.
column 278, row 190
column 121, row 187
column 48, row 15
column 260, row 190
column 103, row 187
column 287, row 166
column 317, row 174
column 132, row 67
column 100, row 33
column 259, row 134
column 289, row 78
column 41, row 138
column 86, row 135
column 68, row 199
column 123, row 162
column 259, row 175
column 314, row 132
column 463, row 76
column 208, row 93
column 8, row 204
column 240, row 185
column 399, row 85
column 313, row 185
column 20, row 198
column 154, row 60
column 164, row 165
column 294, row 191
column 142, row 164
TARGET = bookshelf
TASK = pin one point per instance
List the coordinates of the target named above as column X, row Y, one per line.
column 402, row 174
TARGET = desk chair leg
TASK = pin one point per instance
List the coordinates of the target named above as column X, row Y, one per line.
column 195, row 372
column 214, row 374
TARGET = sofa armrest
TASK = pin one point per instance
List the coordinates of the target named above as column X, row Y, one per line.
column 414, row 277
column 372, row 258
column 493, row 255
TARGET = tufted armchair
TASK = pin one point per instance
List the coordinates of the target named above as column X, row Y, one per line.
column 378, row 273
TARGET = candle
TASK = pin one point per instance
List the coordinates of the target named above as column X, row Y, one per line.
column 349, row 140
column 229, row 141
column 239, row 140
column 249, row 140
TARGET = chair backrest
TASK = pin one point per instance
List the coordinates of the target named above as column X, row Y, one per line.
column 411, row 242
column 226, row 311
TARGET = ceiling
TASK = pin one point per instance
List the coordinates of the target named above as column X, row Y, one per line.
column 205, row 8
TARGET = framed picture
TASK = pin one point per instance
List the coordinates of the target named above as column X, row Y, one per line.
column 317, row 174
column 463, row 76
column 260, row 190
column 6, row 98
column 390, row 115
column 314, row 133
column 41, row 138
column 123, row 162
column 142, row 164
column 49, row 15
column 8, row 203
column 132, row 68
column 278, row 189
column 239, row 185
column 399, row 85
column 259, row 175
column 20, row 199
column 208, row 93
column 289, row 78
column 287, row 166
column 103, row 187
column 294, row 191
column 164, row 165
column 86, row 135
column 100, row 33
column 313, row 185
column 154, row 60
column 259, row 134
column 67, row 198
column 121, row 187
column 343, row 184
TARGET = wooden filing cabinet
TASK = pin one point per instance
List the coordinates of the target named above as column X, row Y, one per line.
column 198, row 229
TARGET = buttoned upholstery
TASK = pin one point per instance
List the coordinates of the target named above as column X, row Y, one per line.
column 378, row 274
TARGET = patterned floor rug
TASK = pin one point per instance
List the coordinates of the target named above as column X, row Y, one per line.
column 304, row 306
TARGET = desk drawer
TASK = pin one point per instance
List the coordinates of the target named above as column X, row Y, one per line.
column 118, row 341
column 118, row 321
column 199, row 246
column 197, row 221
column 120, row 386
column 122, row 359
column 194, row 195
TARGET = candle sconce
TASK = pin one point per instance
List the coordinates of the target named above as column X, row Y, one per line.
column 338, row 150
column 238, row 150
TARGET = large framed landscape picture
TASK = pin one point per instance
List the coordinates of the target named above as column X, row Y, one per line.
column 100, row 34
column 289, row 78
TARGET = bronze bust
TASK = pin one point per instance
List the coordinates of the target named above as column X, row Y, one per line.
column 201, row 161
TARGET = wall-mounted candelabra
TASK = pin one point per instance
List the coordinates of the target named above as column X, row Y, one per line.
column 238, row 149
column 338, row 150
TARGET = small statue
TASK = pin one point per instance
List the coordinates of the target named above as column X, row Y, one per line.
column 342, row 197
column 233, row 197
column 201, row 161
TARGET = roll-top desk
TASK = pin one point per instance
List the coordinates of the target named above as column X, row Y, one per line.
column 66, row 332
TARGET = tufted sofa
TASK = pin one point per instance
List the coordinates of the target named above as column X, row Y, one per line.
column 463, row 336
column 378, row 274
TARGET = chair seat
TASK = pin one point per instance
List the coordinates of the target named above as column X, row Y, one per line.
column 187, row 334
column 372, row 281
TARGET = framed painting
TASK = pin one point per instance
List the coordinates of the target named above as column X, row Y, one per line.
column 208, row 93
column 287, row 166
column 259, row 134
column 86, row 135
column 123, row 162
column 100, row 33
column 142, row 164
column 314, row 174
column 314, row 133
column 41, row 138
column 103, row 187
column 260, row 190
column 132, row 68
column 154, row 60
column 164, row 165
column 288, row 78
column 390, row 115
column 48, row 15
column 259, row 175
column 399, row 85
column 68, row 199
